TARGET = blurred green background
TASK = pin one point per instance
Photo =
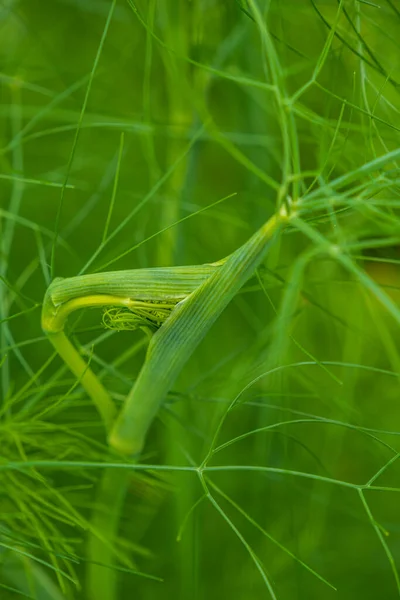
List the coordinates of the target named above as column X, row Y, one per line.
column 161, row 109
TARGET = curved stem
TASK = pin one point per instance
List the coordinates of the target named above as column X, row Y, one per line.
column 172, row 345
column 85, row 375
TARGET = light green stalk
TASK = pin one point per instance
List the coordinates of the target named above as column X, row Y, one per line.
column 101, row 578
column 192, row 299
column 181, row 304
column 132, row 290
column 175, row 341
column 149, row 295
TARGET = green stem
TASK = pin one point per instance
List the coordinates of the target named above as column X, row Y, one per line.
column 123, row 289
column 172, row 345
column 101, row 578
column 118, row 288
column 200, row 294
column 85, row 375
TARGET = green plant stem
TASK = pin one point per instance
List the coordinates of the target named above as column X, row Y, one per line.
column 200, row 293
column 85, row 375
column 172, row 345
column 117, row 288
column 101, row 578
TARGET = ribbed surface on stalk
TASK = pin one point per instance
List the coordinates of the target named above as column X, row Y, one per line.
column 173, row 344
column 138, row 284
